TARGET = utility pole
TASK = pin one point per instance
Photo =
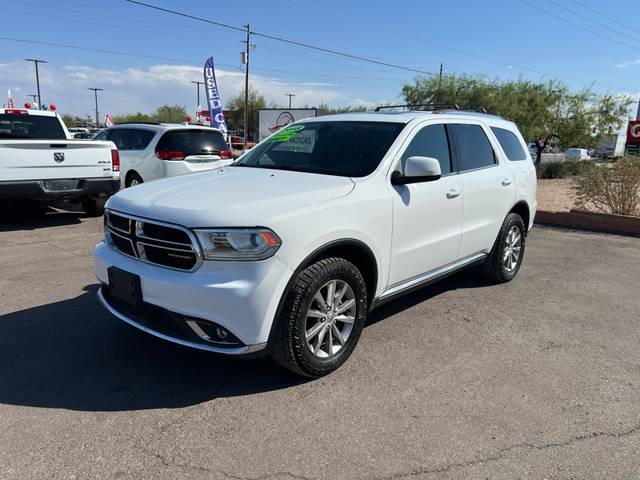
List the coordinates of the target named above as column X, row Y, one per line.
column 198, row 88
column 36, row 62
column 95, row 93
column 289, row 95
column 245, row 59
column 440, row 78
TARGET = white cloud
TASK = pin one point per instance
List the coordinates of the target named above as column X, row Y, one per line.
column 144, row 89
column 628, row 63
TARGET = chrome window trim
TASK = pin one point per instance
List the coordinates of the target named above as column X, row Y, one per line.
column 195, row 245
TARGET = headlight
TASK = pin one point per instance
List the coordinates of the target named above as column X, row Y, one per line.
column 238, row 243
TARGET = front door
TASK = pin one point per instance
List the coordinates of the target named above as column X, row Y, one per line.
column 426, row 216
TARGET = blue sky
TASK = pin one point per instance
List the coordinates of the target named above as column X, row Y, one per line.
column 499, row 38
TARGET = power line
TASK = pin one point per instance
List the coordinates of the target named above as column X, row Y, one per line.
column 577, row 25
column 285, row 40
column 578, row 14
column 470, row 54
column 597, row 12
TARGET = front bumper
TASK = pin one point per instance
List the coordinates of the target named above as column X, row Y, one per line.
column 241, row 297
column 36, row 189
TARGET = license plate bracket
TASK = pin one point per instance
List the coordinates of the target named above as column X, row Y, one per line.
column 60, row 185
column 124, row 286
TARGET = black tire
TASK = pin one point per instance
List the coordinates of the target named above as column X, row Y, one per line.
column 495, row 267
column 289, row 347
column 132, row 177
column 92, row 207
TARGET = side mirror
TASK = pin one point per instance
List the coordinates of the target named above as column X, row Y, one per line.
column 417, row 169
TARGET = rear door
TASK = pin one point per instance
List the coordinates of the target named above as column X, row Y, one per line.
column 487, row 185
column 134, row 148
column 35, row 147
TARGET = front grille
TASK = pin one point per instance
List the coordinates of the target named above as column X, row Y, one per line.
column 151, row 241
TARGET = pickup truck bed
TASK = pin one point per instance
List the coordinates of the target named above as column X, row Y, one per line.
column 47, row 170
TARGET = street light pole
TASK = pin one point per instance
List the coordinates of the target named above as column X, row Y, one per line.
column 36, row 62
column 246, row 85
column 289, row 95
column 198, row 88
column 95, row 94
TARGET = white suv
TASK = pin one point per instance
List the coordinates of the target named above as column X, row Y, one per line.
column 287, row 250
column 150, row 151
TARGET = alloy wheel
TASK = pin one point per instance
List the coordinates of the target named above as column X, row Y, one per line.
column 512, row 249
column 330, row 318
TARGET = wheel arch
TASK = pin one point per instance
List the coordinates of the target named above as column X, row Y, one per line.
column 355, row 251
column 522, row 209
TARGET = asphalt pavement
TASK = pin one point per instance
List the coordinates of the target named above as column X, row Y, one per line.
column 538, row 378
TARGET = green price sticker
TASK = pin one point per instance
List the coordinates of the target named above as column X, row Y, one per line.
column 286, row 134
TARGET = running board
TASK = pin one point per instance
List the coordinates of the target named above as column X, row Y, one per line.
column 427, row 278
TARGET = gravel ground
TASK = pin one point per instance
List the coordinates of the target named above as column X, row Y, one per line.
column 538, row 378
column 555, row 195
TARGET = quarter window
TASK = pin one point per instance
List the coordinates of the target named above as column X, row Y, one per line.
column 510, row 144
column 473, row 149
column 432, row 142
column 131, row 138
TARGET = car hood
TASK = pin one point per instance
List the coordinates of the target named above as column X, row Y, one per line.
column 229, row 196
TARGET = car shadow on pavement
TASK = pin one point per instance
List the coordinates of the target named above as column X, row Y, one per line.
column 73, row 355
column 17, row 217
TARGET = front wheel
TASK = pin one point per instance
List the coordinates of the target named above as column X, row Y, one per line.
column 322, row 318
column 506, row 256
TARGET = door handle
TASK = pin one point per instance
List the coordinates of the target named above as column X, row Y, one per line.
column 454, row 192
column 506, row 181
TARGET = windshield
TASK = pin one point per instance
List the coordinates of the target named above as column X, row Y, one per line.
column 348, row 149
column 30, row 126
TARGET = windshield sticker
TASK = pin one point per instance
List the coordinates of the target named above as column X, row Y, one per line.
column 302, row 142
column 286, row 134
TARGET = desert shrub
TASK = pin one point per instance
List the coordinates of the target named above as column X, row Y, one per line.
column 552, row 170
column 612, row 188
column 575, row 167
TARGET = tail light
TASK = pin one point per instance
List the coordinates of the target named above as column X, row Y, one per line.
column 115, row 160
column 225, row 154
column 170, row 154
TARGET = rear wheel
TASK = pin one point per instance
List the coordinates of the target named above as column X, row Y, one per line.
column 322, row 318
column 506, row 256
column 132, row 180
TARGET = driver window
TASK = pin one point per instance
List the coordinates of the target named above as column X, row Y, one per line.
column 432, row 142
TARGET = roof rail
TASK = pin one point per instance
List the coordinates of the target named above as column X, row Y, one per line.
column 140, row 123
column 420, row 106
column 432, row 107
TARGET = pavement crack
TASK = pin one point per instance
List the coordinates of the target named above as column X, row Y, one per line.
column 170, row 462
column 503, row 452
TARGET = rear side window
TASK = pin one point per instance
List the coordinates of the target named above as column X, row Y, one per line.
column 431, row 141
column 510, row 144
column 30, row 126
column 130, row 138
column 473, row 148
column 192, row 142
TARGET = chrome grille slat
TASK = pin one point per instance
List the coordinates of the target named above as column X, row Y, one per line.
column 185, row 257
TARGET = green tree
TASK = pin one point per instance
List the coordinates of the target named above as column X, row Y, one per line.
column 165, row 113
column 324, row 109
column 236, row 118
column 542, row 111
column 69, row 120
column 170, row 114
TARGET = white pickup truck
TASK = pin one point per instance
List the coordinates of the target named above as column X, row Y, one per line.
column 40, row 162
